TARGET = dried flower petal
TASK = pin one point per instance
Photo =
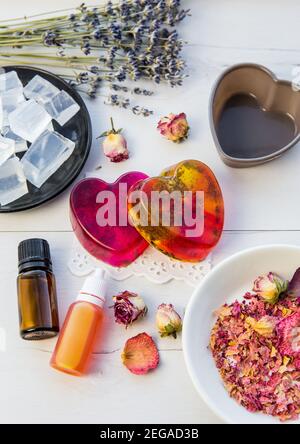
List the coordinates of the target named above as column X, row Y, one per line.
column 140, row 354
column 256, row 348
column 264, row 327
column 294, row 285
column 289, row 333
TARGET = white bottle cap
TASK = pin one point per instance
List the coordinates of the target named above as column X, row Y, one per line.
column 94, row 289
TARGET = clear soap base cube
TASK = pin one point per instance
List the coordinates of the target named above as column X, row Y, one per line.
column 13, row 183
column 45, row 156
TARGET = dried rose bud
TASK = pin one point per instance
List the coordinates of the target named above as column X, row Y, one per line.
column 115, row 145
column 128, row 308
column 270, row 287
column 168, row 321
column 174, row 127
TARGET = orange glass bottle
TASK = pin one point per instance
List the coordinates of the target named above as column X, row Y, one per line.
column 81, row 328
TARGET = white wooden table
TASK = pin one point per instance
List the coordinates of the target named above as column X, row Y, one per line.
column 262, row 207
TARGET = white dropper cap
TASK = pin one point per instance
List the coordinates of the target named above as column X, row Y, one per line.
column 94, row 289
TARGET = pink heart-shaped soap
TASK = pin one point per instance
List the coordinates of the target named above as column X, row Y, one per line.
column 94, row 203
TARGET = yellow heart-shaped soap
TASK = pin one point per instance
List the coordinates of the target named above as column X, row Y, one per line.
column 180, row 212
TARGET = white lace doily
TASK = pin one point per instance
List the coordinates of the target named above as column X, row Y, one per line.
column 152, row 264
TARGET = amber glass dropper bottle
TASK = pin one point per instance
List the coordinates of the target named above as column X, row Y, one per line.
column 37, row 300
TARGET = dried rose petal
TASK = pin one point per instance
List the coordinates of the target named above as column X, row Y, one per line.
column 254, row 345
column 265, row 326
column 297, row 363
column 140, row 354
column 294, row 285
column 289, row 334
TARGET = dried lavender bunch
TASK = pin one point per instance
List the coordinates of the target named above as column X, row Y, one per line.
column 111, row 43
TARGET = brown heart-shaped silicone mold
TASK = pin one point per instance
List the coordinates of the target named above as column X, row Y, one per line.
column 254, row 116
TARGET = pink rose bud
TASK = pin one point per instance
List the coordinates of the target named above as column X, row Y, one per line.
column 168, row 321
column 269, row 287
column 115, row 145
column 128, row 307
column 174, row 127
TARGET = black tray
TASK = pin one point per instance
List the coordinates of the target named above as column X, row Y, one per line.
column 78, row 129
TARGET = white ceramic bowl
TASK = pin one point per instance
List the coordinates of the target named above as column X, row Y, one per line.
column 226, row 282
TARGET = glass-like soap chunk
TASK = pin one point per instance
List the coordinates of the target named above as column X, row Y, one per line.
column 29, row 120
column 10, row 81
column 20, row 144
column 62, row 107
column 40, row 89
column 10, row 101
column 13, row 183
column 7, row 149
column 45, row 156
